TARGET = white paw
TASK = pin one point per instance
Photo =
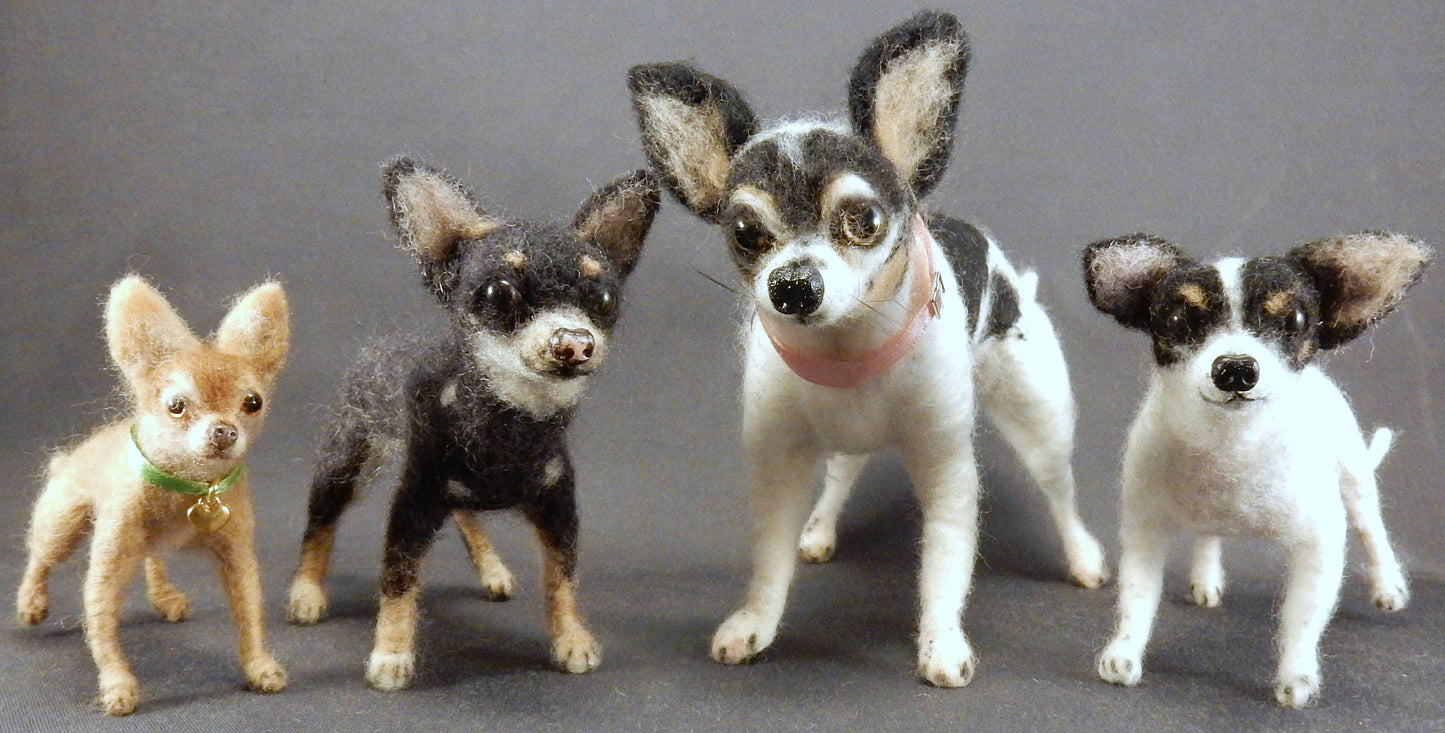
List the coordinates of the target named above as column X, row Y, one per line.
column 1297, row 691
column 946, row 659
column 1390, row 592
column 1207, row 595
column 306, row 604
column 817, row 543
column 120, row 696
column 387, row 672
column 576, row 652
column 498, row 582
column 1087, row 566
column 741, row 637
column 1119, row 666
column 265, row 674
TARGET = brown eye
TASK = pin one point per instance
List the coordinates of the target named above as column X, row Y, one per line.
column 177, row 406
column 251, row 404
column 859, row 222
column 502, row 295
column 749, row 235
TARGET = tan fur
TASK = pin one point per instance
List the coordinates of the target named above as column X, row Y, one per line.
column 95, row 488
column 437, row 216
column 1381, row 265
column 912, row 93
column 1194, row 295
column 589, row 266
column 1278, row 304
column 573, row 647
column 515, row 258
column 496, row 579
column 690, row 138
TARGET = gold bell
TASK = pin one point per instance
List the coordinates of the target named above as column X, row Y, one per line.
column 209, row 513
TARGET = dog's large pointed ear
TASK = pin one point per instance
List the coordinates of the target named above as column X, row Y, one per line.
column 434, row 214
column 617, row 217
column 258, row 329
column 692, row 124
column 905, row 93
column 142, row 330
column 1122, row 273
column 1360, row 278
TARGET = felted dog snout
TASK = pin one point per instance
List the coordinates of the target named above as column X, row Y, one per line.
column 1234, row 373
column 795, row 289
column 572, row 347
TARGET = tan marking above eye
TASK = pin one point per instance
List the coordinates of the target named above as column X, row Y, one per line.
column 1280, row 303
column 515, row 258
column 589, row 266
column 1194, row 295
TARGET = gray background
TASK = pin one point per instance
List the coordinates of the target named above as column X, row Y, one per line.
column 212, row 148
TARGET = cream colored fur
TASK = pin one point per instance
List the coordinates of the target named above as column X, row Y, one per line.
column 95, row 488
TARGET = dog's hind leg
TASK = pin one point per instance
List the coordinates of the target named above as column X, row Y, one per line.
column 344, row 460
column 61, row 518
column 164, row 597
column 1360, row 490
column 496, row 579
column 820, row 534
column 1206, row 573
column 1023, row 386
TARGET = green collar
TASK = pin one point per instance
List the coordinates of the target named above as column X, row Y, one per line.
column 161, row 479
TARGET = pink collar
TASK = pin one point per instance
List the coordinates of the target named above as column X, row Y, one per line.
column 925, row 300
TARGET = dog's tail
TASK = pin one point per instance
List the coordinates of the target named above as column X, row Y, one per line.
column 1379, row 446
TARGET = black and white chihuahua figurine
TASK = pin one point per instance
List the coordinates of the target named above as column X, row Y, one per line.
column 873, row 326
column 481, row 405
column 1241, row 433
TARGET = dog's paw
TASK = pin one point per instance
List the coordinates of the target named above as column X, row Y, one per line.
column 1297, row 691
column 741, row 637
column 1207, row 595
column 497, row 582
column 1389, row 591
column 387, row 672
column 265, row 674
column 1120, row 667
column 1087, row 566
column 171, row 606
column 33, row 609
column 817, row 543
column 946, row 659
column 306, row 603
column 120, row 696
column 576, row 652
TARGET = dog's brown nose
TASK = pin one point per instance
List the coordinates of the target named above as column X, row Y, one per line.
column 572, row 347
column 223, row 436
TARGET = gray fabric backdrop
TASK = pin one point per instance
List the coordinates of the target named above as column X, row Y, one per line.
column 210, row 148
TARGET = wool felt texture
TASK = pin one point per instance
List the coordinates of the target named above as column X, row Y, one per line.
column 197, row 406
column 479, row 406
column 820, row 220
column 1240, row 432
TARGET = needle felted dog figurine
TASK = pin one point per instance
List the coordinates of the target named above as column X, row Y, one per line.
column 481, row 406
column 872, row 327
column 1241, row 433
column 167, row 476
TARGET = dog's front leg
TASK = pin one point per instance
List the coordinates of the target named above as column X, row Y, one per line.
column 947, row 487
column 1145, row 546
column 416, row 516
column 782, row 477
column 574, row 649
column 1316, row 569
column 116, row 552
column 234, row 546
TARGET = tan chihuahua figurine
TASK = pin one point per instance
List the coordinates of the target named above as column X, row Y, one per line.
column 168, row 476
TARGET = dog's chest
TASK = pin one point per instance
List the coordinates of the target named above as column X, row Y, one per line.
column 492, row 456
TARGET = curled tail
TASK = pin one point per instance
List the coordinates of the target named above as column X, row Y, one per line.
column 1379, row 446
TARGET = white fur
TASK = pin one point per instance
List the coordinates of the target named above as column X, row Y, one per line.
column 1290, row 464
column 517, row 365
column 924, row 407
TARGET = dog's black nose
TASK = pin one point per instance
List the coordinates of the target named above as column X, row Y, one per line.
column 223, row 435
column 1235, row 373
column 572, row 346
column 795, row 289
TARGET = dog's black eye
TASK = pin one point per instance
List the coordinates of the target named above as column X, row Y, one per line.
column 177, row 406
column 1297, row 321
column 604, row 301
column 502, row 295
column 750, row 235
column 251, row 403
column 858, row 222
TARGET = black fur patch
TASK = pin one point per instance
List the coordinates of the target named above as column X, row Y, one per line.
column 1003, row 312
column 1281, row 305
column 966, row 249
column 1179, row 322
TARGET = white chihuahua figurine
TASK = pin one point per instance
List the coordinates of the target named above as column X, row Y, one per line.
column 1241, row 433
